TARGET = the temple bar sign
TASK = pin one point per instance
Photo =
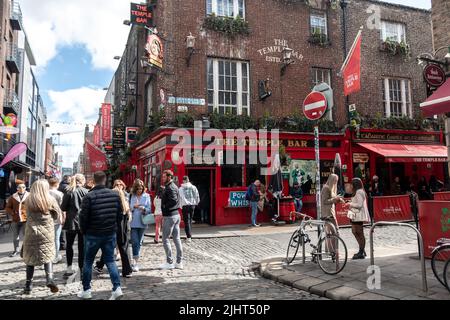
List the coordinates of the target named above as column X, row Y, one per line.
column 141, row 14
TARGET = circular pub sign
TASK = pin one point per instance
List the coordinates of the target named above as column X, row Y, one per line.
column 315, row 106
column 434, row 75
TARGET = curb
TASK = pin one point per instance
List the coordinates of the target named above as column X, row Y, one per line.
column 275, row 270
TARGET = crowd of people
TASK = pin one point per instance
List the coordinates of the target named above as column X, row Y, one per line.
column 53, row 215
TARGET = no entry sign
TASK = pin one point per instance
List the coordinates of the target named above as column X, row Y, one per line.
column 315, row 106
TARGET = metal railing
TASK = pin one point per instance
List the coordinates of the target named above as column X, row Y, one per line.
column 16, row 15
column 421, row 251
column 11, row 101
column 13, row 55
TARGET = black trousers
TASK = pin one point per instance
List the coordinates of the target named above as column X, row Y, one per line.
column 188, row 213
column 70, row 237
column 123, row 249
column 62, row 240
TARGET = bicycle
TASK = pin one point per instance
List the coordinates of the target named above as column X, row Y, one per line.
column 330, row 252
column 440, row 259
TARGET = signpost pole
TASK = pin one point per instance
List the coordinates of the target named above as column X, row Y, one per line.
column 318, row 187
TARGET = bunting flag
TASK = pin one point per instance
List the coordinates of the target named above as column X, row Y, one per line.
column 351, row 70
column 97, row 159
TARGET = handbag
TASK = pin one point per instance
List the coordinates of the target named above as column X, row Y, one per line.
column 148, row 219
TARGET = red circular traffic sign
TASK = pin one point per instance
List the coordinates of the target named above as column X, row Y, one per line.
column 434, row 75
column 315, row 106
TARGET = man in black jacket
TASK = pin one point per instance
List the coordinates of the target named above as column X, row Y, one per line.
column 170, row 204
column 63, row 188
column 100, row 217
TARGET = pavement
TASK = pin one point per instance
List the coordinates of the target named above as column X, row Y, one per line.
column 243, row 263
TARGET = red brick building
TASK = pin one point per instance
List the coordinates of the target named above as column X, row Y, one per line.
column 233, row 70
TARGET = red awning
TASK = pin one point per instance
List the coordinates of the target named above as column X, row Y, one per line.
column 408, row 152
column 438, row 102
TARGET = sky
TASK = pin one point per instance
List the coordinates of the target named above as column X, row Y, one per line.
column 74, row 43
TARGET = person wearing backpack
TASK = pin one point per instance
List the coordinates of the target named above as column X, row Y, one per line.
column 253, row 197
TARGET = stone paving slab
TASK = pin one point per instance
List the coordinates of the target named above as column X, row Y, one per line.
column 401, row 279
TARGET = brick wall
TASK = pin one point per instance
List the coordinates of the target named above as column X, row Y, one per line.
column 441, row 22
column 288, row 21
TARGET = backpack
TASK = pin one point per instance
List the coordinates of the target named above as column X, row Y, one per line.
column 249, row 194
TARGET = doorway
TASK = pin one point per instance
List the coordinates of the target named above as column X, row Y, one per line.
column 204, row 180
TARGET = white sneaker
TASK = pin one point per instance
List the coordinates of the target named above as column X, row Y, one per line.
column 135, row 268
column 179, row 266
column 117, row 295
column 188, row 240
column 58, row 259
column 167, row 266
column 85, row 295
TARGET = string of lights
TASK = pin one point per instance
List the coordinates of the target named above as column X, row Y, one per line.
column 72, row 123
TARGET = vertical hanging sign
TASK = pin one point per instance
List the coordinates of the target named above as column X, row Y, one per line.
column 106, row 123
column 141, row 14
column 97, row 135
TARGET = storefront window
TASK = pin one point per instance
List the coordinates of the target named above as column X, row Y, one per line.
column 232, row 176
column 254, row 173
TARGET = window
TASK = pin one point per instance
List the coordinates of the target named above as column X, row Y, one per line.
column 226, row 8
column 228, row 87
column 393, row 31
column 319, row 24
column 322, row 75
column 232, row 176
column 397, row 98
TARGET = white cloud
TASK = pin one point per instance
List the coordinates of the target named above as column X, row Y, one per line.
column 78, row 106
column 97, row 25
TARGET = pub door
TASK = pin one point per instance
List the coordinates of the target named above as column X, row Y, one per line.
column 203, row 179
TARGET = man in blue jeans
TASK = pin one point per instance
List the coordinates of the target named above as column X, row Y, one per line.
column 100, row 216
column 254, row 198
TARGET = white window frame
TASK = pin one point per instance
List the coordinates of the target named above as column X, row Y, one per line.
column 239, row 102
column 325, row 73
column 214, row 6
column 406, row 99
column 321, row 15
column 401, row 30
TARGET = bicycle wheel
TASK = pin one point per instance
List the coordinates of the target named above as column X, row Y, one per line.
column 331, row 254
column 438, row 260
column 446, row 275
column 293, row 246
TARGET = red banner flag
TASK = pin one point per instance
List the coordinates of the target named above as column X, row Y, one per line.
column 351, row 70
column 97, row 135
column 97, row 159
column 106, row 123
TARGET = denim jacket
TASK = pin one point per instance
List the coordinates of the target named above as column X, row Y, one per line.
column 136, row 220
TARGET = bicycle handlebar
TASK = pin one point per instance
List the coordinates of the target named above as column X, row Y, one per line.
column 302, row 215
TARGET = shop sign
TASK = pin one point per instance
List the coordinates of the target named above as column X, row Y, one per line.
column 141, row 14
column 155, row 51
column 291, row 143
column 131, row 134
column 119, row 137
column 106, row 122
column 360, row 158
column 396, row 137
column 188, row 101
column 277, row 49
column 237, row 200
column 434, row 75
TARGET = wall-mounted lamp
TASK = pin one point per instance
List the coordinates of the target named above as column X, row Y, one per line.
column 190, row 45
column 117, row 57
column 287, row 59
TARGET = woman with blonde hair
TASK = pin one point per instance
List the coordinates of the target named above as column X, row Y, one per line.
column 39, row 241
column 329, row 199
column 122, row 232
column 71, row 204
column 140, row 204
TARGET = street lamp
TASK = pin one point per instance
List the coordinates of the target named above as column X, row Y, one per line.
column 287, row 60
column 117, row 57
column 190, row 45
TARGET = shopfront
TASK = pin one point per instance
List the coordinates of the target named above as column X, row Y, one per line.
column 221, row 184
column 408, row 155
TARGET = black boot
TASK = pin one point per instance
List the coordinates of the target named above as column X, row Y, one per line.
column 29, row 284
column 49, row 276
column 359, row 255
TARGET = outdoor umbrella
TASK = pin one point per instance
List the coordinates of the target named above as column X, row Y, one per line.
column 276, row 182
column 338, row 172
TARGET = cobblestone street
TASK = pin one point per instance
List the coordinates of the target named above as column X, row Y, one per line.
column 215, row 268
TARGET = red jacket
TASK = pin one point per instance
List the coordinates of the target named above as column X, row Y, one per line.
column 16, row 208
